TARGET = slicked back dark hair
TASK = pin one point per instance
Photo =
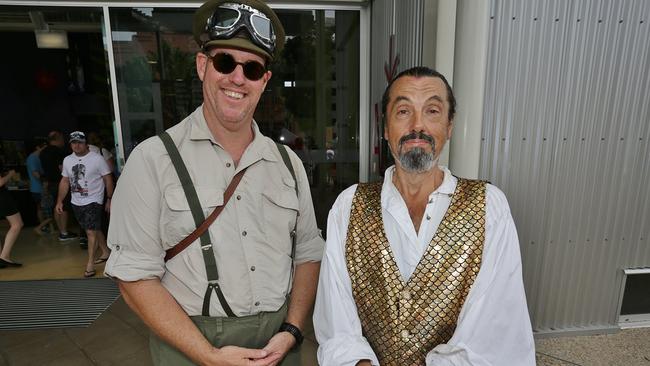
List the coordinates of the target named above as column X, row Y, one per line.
column 418, row 72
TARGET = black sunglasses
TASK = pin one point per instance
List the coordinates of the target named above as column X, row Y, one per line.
column 225, row 64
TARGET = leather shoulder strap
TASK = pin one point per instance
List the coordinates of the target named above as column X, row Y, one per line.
column 203, row 227
column 287, row 162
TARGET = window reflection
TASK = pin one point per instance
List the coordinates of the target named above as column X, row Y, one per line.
column 311, row 103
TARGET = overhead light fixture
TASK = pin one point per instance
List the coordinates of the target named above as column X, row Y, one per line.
column 46, row 37
column 51, row 39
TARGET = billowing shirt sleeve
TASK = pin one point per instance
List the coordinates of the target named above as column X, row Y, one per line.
column 336, row 321
column 494, row 326
column 133, row 234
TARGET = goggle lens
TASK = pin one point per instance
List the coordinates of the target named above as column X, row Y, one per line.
column 262, row 26
column 225, row 18
column 225, row 64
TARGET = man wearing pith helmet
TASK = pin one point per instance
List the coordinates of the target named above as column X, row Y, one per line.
column 238, row 292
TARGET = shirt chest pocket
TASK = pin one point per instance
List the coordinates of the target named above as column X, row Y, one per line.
column 177, row 221
column 280, row 208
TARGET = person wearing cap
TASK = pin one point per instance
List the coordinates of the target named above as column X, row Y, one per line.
column 240, row 293
column 86, row 175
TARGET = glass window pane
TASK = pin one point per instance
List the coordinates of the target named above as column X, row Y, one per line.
column 54, row 76
column 157, row 84
column 311, row 103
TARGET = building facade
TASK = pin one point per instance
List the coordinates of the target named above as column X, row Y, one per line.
column 553, row 108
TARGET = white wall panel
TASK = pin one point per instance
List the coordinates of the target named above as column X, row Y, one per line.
column 565, row 135
column 404, row 19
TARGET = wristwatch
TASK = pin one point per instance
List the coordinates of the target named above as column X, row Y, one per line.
column 294, row 331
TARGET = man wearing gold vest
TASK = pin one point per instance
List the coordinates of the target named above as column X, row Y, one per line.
column 424, row 268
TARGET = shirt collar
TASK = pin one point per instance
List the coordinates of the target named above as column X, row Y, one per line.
column 390, row 192
column 261, row 147
column 256, row 150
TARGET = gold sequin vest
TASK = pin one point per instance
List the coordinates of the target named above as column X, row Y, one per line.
column 403, row 321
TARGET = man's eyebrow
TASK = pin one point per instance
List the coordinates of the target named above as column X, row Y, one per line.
column 436, row 97
column 401, row 98
column 405, row 98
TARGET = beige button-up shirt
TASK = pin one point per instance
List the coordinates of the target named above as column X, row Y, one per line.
column 251, row 237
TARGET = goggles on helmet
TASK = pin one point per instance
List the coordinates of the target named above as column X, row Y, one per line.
column 230, row 18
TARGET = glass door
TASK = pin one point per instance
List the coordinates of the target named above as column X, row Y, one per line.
column 311, row 103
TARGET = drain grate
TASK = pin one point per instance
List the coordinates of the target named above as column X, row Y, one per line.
column 54, row 303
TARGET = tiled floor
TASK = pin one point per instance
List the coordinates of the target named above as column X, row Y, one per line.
column 118, row 337
column 45, row 257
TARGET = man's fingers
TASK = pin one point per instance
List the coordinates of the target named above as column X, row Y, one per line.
column 269, row 360
column 253, row 354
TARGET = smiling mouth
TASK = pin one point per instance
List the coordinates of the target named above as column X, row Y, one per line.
column 233, row 94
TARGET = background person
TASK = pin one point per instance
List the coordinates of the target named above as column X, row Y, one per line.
column 52, row 160
column 86, row 175
column 35, row 173
column 95, row 144
column 9, row 210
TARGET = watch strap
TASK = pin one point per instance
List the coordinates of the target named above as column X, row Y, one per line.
column 294, row 331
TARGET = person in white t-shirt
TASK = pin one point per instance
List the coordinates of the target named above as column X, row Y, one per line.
column 86, row 175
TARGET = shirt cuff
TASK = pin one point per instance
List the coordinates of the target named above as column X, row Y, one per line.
column 345, row 351
column 454, row 355
column 310, row 251
column 133, row 266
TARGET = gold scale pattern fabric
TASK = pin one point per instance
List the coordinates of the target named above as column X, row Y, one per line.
column 403, row 321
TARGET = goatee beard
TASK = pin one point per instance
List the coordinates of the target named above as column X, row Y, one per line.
column 417, row 160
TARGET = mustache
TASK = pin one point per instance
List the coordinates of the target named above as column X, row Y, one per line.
column 416, row 136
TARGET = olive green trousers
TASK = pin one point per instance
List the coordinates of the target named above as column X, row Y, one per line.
column 252, row 331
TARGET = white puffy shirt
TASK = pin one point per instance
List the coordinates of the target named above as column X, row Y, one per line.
column 493, row 326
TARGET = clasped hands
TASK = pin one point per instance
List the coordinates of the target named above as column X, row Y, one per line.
column 271, row 355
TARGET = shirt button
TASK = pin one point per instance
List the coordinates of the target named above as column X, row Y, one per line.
column 244, row 233
column 117, row 247
column 257, row 303
column 228, row 165
column 238, row 197
column 405, row 334
column 428, row 217
column 253, row 268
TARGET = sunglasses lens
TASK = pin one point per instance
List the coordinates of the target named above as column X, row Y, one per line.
column 224, row 63
column 253, row 70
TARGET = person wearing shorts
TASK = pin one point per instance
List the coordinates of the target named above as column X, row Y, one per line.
column 85, row 175
column 89, row 216
column 35, row 173
column 9, row 210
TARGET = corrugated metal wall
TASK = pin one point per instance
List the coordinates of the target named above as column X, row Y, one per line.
column 404, row 19
column 565, row 135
